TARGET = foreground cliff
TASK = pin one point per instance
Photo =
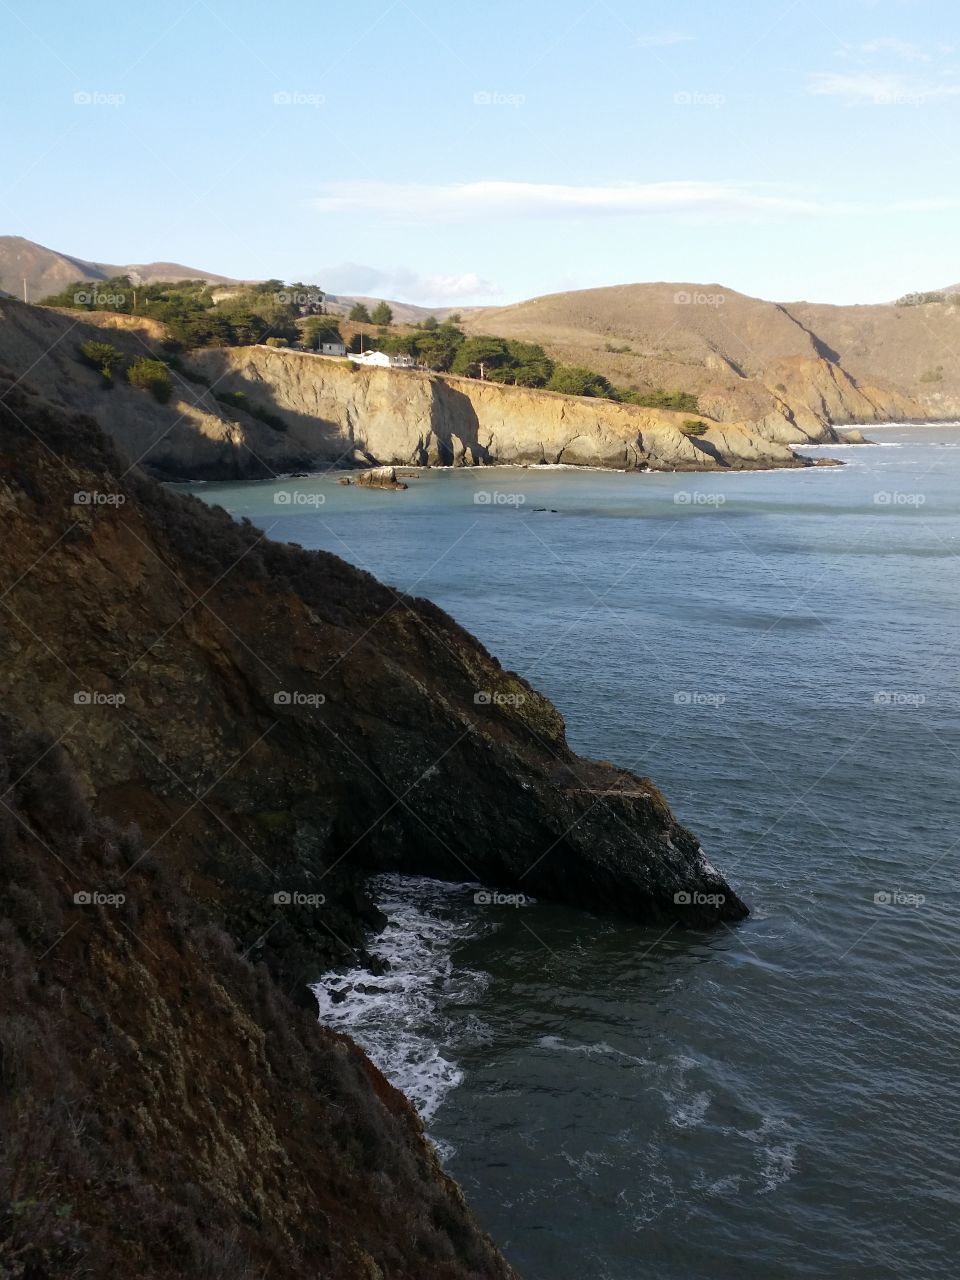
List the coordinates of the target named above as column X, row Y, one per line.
column 207, row 742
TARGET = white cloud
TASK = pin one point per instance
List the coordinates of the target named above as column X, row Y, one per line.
column 899, row 48
column 403, row 283
column 658, row 38
column 492, row 199
column 879, row 88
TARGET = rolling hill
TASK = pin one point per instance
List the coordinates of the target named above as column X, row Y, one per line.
column 47, row 271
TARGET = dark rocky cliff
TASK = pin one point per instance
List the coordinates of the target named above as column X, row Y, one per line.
column 229, row 733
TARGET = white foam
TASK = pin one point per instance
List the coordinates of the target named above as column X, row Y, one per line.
column 600, row 1049
column 399, row 1018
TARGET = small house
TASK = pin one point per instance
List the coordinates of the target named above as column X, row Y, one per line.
column 332, row 349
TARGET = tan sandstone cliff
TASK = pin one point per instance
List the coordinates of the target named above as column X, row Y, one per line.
column 331, row 413
column 338, row 412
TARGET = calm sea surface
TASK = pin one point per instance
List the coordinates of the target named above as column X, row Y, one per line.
column 779, row 652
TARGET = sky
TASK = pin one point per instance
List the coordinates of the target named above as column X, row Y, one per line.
column 450, row 152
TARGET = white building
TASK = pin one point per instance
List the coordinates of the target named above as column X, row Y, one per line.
column 332, row 349
column 381, row 360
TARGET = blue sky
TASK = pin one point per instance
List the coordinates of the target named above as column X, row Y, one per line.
column 457, row 153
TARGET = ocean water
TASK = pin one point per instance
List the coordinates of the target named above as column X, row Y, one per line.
column 779, row 652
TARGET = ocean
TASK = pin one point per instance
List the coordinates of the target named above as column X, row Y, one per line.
column 778, row 651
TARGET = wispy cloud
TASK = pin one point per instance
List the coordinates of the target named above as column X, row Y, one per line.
column 656, row 39
column 442, row 202
column 879, row 88
column 700, row 201
column 412, row 286
column 904, row 49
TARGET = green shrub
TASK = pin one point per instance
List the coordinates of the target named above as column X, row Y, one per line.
column 103, row 357
column 693, row 427
column 151, row 375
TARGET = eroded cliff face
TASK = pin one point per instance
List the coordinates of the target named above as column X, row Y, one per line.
column 195, row 720
column 332, row 413
column 342, row 414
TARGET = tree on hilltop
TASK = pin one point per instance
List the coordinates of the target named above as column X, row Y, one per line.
column 381, row 314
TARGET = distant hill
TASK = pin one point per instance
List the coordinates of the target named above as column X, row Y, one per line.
column 738, row 353
column 403, row 312
column 743, row 357
column 48, row 271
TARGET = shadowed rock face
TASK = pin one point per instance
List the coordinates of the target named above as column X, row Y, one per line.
column 274, row 722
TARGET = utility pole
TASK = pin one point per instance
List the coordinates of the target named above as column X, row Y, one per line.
column 24, row 288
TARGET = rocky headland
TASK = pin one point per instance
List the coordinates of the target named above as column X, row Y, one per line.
column 209, row 741
column 285, row 410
